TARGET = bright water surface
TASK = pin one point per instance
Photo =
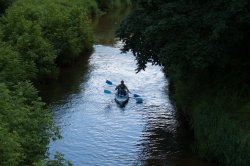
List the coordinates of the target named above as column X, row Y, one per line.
column 96, row 131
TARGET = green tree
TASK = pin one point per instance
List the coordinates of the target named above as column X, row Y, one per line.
column 25, row 36
column 197, row 36
column 68, row 30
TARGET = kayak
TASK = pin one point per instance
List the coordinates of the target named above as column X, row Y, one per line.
column 121, row 100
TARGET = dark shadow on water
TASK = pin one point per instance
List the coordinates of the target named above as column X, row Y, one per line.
column 158, row 142
column 68, row 82
column 167, row 140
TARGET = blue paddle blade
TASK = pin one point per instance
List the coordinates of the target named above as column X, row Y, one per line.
column 139, row 100
column 136, row 95
column 107, row 91
column 109, row 82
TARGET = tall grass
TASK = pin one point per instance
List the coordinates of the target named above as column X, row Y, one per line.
column 218, row 135
column 219, row 112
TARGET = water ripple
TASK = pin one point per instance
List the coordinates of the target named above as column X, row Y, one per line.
column 96, row 131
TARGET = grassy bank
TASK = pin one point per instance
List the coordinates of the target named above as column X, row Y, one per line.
column 219, row 115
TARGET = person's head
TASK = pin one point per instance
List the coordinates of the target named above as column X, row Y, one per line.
column 122, row 82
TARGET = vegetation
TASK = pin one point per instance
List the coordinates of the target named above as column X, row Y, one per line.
column 204, row 48
column 47, row 38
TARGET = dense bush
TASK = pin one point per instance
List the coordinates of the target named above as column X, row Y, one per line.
column 68, row 30
column 204, row 48
column 26, row 125
column 42, row 37
column 26, row 38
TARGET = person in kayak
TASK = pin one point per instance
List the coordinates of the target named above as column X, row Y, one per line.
column 122, row 89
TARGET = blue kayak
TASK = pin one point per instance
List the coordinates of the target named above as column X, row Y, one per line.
column 122, row 100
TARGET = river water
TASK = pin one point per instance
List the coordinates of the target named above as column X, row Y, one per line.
column 95, row 130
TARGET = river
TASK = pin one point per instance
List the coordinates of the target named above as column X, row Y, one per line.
column 95, row 130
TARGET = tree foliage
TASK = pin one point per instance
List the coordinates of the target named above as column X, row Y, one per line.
column 192, row 35
column 47, row 38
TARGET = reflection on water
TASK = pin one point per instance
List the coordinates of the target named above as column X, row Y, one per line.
column 67, row 83
column 105, row 26
column 98, row 132
column 94, row 127
column 158, row 143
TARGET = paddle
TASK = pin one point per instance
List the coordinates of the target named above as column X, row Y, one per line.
column 138, row 98
column 107, row 91
column 110, row 83
column 135, row 95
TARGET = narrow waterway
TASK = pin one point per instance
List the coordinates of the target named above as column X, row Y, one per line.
column 95, row 130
